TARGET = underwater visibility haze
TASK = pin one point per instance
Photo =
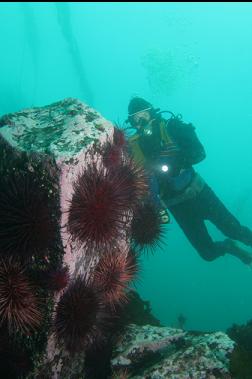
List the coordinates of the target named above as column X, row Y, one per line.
column 192, row 59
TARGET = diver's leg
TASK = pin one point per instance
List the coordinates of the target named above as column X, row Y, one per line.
column 193, row 226
column 219, row 215
column 233, row 249
column 227, row 223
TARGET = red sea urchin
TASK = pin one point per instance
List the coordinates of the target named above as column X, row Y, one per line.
column 18, row 305
column 26, row 225
column 113, row 273
column 112, row 152
column 119, row 137
column 80, row 315
column 147, row 229
column 57, row 279
column 134, row 178
column 111, row 155
column 97, row 209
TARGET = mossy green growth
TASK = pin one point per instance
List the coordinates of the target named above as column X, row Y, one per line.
column 63, row 128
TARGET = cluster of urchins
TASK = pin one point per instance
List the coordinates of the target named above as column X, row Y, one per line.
column 109, row 202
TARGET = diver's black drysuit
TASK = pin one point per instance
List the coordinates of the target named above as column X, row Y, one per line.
column 190, row 200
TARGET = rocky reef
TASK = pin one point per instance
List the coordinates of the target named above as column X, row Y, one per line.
column 152, row 352
column 69, row 195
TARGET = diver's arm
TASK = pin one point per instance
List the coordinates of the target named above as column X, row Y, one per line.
column 191, row 149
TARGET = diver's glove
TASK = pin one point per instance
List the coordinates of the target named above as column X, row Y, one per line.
column 164, row 216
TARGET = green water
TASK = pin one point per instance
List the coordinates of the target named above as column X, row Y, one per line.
column 190, row 58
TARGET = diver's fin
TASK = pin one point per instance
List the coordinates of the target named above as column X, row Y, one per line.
column 234, row 249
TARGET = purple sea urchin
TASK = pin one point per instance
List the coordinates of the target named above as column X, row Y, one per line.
column 18, row 305
column 26, row 225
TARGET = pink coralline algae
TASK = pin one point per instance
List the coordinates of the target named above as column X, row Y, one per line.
column 63, row 206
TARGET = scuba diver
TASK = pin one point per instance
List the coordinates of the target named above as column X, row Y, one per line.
column 168, row 149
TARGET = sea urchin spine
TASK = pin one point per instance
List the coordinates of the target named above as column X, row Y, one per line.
column 113, row 273
column 80, row 315
column 18, row 304
column 147, row 229
column 26, row 222
column 98, row 206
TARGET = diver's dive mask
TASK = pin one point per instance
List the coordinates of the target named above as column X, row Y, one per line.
column 139, row 122
column 142, row 126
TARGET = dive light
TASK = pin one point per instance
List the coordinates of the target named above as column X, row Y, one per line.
column 165, row 168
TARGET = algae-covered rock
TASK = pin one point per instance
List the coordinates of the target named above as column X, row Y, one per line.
column 150, row 352
column 48, row 155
